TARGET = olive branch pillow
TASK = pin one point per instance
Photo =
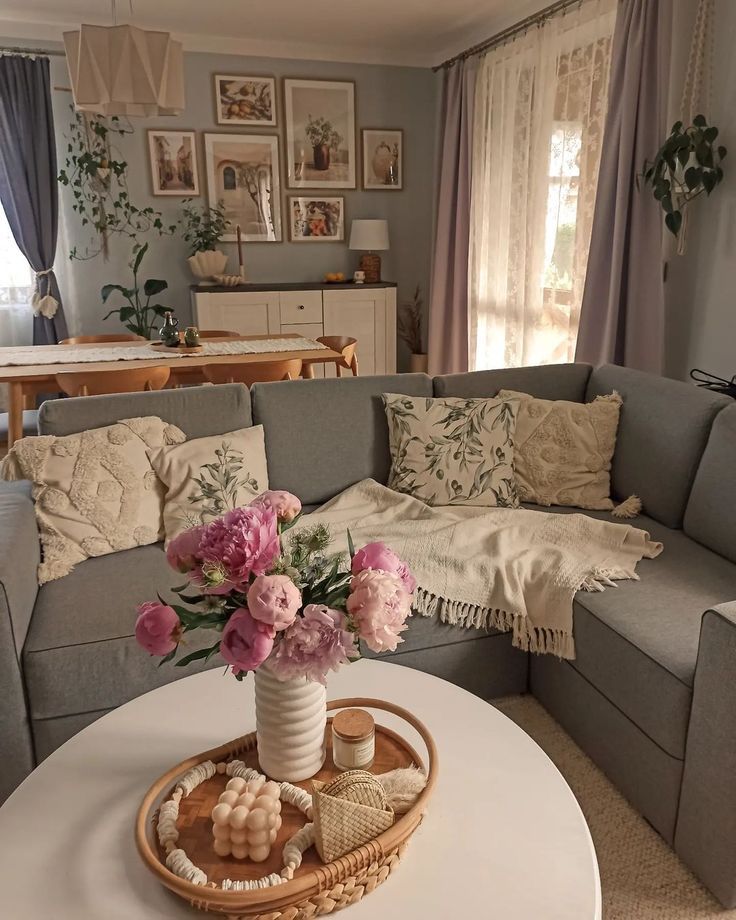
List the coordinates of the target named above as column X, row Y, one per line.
column 453, row 451
column 205, row 477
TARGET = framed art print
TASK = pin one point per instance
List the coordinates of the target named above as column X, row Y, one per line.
column 245, row 100
column 320, row 133
column 243, row 177
column 383, row 158
column 316, row 219
column 173, row 159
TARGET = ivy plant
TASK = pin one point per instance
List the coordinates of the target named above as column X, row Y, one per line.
column 97, row 175
column 202, row 227
column 685, row 166
column 137, row 314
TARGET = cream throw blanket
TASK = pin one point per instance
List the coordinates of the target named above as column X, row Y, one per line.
column 510, row 569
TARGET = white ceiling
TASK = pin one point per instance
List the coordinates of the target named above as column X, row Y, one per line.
column 405, row 32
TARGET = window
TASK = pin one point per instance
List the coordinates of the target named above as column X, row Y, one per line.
column 17, row 282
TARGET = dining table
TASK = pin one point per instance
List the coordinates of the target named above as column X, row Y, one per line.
column 25, row 379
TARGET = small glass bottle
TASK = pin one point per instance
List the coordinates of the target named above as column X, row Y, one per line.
column 353, row 739
column 191, row 336
column 169, row 332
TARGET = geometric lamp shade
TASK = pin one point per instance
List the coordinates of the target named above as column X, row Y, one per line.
column 124, row 70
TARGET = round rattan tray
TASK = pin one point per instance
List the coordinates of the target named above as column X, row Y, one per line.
column 316, row 888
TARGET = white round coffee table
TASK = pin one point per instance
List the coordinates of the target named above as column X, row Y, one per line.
column 504, row 836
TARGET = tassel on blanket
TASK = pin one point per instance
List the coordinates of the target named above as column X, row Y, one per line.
column 628, row 509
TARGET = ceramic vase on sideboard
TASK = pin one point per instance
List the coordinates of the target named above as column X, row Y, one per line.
column 291, row 716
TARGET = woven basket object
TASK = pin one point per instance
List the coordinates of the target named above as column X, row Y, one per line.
column 349, row 812
column 317, row 888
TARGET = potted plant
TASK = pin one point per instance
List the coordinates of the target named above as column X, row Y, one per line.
column 323, row 138
column 138, row 314
column 685, row 166
column 202, row 230
column 410, row 332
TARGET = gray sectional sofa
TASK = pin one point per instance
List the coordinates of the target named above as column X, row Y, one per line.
column 651, row 695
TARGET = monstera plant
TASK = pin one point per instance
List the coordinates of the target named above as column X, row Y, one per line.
column 687, row 165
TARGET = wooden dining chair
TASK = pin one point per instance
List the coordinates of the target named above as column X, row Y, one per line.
column 346, row 346
column 110, row 337
column 217, row 333
column 256, row 372
column 100, row 383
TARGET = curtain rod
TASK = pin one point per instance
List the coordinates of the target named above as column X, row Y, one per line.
column 49, row 52
column 534, row 20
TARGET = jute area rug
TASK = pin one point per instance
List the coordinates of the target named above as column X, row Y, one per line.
column 641, row 878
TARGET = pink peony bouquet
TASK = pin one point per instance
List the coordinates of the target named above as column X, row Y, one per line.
column 279, row 599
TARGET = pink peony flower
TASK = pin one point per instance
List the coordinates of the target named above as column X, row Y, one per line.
column 382, row 558
column 315, row 643
column 274, row 600
column 379, row 604
column 241, row 543
column 182, row 552
column 157, row 628
column 245, row 644
column 285, row 505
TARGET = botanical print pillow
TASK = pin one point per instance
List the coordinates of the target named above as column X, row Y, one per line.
column 564, row 450
column 453, row 451
column 206, row 477
column 95, row 492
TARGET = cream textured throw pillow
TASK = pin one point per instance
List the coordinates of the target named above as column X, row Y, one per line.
column 453, row 451
column 564, row 450
column 206, row 477
column 95, row 492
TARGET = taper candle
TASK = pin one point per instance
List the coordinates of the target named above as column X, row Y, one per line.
column 241, row 268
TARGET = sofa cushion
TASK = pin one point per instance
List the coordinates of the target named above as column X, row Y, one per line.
column 198, row 411
column 638, row 642
column 550, row 381
column 661, row 437
column 80, row 654
column 325, row 435
column 710, row 517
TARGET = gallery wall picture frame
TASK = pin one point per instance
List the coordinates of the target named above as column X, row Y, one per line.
column 244, row 177
column 245, row 100
column 172, row 156
column 383, row 159
column 321, row 137
column 316, row 218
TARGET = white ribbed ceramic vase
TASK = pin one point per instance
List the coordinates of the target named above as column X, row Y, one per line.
column 291, row 716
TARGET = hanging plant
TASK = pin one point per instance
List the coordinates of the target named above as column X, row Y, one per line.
column 97, row 175
column 685, row 166
column 137, row 314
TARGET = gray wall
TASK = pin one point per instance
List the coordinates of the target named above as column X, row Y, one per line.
column 391, row 97
column 701, row 286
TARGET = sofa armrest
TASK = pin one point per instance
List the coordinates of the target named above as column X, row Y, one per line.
column 705, row 836
column 19, row 558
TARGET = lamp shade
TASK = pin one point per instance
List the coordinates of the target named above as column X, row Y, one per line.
column 123, row 70
column 371, row 235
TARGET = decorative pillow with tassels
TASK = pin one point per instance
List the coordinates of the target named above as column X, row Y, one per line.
column 563, row 452
column 95, row 492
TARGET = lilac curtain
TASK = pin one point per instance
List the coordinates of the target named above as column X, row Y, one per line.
column 448, row 313
column 622, row 313
column 28, row 190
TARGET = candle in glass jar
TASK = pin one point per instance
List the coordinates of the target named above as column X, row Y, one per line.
column 353, row 739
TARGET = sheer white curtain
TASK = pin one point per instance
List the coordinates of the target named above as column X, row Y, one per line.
column 16, row 290
column 540, row 108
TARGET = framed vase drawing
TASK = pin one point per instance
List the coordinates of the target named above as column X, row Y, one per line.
column 245, row 100
column 383, row 158
column 173, row 158
column 320, row 133
column 316, row 219
column 243, row 176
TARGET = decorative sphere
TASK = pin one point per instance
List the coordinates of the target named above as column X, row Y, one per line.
column 255, row 785
column 239, row 837
column 272, row 835
column 258, row 838
column 246, row 799
column 259, row 854
column 257, row 819
column 238, row 816
column 266, row 803
column 272, row 819
column 240, row 851
column 222, row 847
column 278, row 822
column 229, row 797
column 221, row 813
column 237, row 783
column 271, row 788
column 221, row 831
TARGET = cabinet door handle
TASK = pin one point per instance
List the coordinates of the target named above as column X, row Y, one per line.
column 300, row 307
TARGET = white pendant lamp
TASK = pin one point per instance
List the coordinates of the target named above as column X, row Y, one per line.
column 124, row 70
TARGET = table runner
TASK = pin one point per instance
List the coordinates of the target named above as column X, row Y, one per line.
column 71, row 354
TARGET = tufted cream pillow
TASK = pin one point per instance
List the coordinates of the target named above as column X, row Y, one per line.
column 564, row 450
column 95, row 492
column 206, row 477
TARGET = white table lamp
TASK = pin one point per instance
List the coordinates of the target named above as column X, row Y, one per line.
column 369, row 235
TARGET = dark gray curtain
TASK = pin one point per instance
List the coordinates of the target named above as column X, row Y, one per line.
column 622, row 313
column 28, row 190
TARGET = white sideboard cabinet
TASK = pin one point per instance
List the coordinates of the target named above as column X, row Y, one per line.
column 367, row 312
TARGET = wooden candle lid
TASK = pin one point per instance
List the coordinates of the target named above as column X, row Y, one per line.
column 353, row 724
